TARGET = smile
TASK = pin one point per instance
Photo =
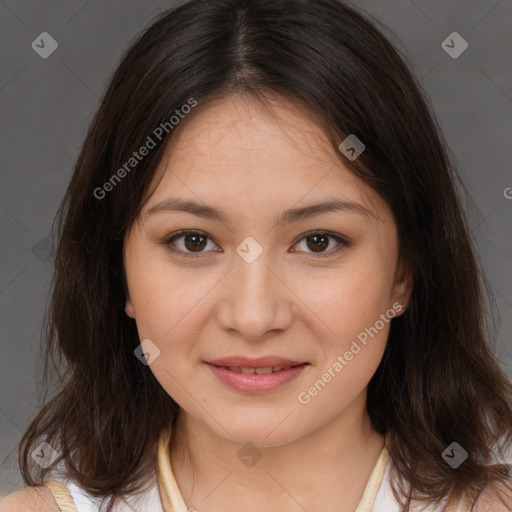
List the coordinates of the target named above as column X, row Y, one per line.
column 256, row 379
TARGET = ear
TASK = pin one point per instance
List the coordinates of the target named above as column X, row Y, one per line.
column 129, row 309
column 402, row 286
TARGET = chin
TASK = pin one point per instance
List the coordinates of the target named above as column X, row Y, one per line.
column 263, row 433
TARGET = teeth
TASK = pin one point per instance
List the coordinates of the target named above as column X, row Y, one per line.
column 264, row 371
column 257, row 371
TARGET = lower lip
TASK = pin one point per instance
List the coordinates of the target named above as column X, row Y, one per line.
column 253, row 383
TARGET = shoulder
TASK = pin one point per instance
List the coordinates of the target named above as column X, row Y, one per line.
column 29, row 499
column 495, row 498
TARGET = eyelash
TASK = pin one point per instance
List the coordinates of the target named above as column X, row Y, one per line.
column 343, row 244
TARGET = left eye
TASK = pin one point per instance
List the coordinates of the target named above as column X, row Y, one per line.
column 193, row 243
column 318, row 241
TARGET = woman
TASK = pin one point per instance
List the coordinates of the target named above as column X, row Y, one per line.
column 262, row 253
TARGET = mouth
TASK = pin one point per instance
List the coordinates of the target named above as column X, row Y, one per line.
column 250, row 370
column 256, row 376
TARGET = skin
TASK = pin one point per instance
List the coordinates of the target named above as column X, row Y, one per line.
column 253, row 163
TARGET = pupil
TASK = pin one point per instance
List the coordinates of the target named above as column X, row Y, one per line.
column 320, row 242
column 197, row 243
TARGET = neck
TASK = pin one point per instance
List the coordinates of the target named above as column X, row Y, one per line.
column 327, row 469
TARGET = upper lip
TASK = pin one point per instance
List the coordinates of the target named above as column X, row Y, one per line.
column 260, row 362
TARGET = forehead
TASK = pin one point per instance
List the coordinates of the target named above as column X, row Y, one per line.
column 240, row 149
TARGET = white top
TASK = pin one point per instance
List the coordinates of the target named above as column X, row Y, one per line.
column 377, row 496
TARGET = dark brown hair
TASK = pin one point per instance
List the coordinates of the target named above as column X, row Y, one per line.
column 438, row 381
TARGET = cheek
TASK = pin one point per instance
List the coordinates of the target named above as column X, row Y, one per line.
column 348, row 359
column 354, row 303
column 169, row 312
column 165, row 296
column 347, row 299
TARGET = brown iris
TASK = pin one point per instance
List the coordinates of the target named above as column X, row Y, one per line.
column 195, row 241
column 320, row 242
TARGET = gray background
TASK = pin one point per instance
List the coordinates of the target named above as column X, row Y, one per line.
column 46, row 105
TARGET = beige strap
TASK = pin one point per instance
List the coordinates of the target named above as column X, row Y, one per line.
column 374, row 482
column 62, row 496
column 170, row 495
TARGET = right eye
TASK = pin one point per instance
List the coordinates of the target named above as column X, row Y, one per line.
column 192, row 243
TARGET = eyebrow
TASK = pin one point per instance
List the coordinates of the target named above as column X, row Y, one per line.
column 287, row 217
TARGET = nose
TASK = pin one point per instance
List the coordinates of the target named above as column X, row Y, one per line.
column 257, row 301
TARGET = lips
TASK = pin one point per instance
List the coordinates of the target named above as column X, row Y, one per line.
column 258, row 371
column 259, row 375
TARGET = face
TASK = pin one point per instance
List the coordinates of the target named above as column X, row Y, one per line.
column 261, row 281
